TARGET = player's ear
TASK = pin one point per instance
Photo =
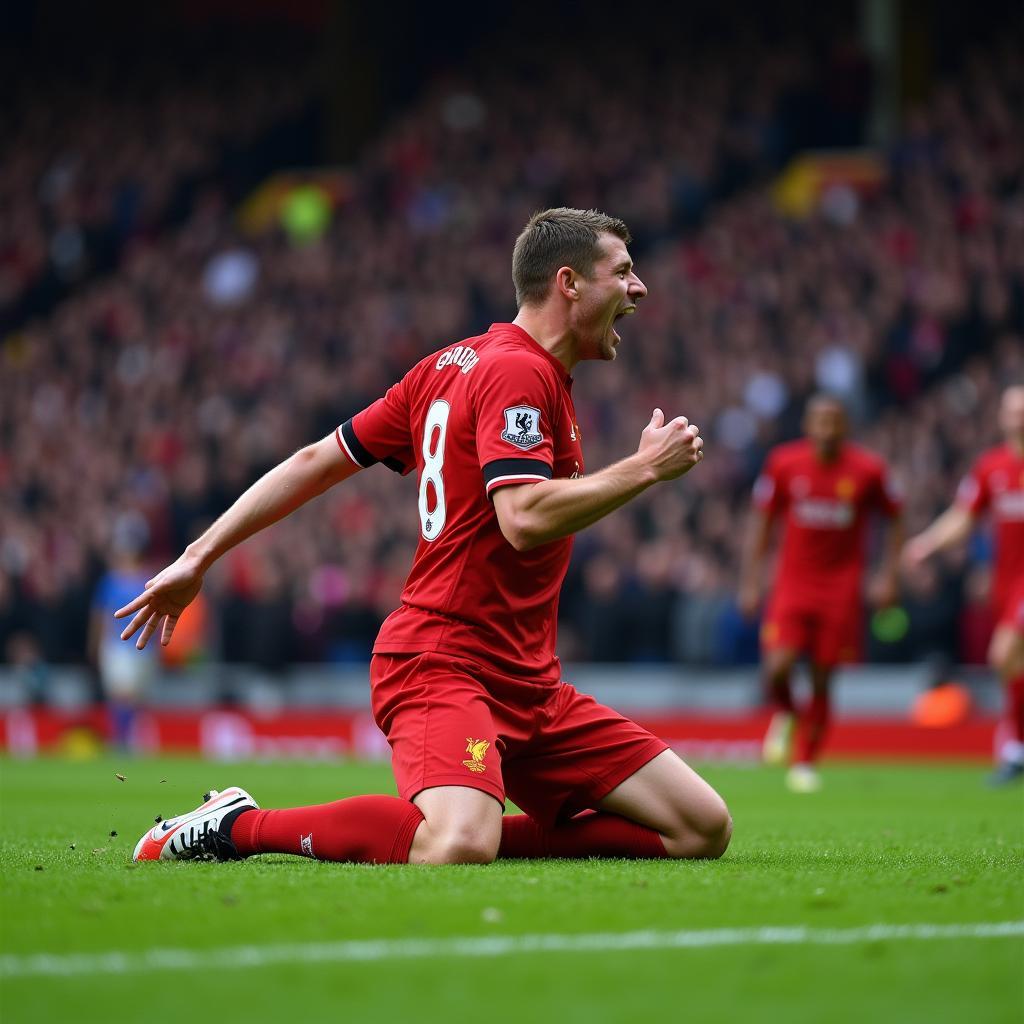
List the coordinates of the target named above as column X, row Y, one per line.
column 567, row 282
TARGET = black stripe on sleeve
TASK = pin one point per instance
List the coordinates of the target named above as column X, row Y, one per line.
column 516, row 467
column 362, row 456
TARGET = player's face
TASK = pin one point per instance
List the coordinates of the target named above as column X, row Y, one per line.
column 612, row 291
column 825, row 424
column 1011, row 414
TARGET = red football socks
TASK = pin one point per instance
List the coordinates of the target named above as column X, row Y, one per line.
column 363, row 829
column 813, row 726
column 590, row 834
column 780, row 694
column 380, row 830
column 1015, row 706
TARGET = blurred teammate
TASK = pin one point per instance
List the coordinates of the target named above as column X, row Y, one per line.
column 464, row 679
column 995, row 484
column 125, row 677
column 824, row 489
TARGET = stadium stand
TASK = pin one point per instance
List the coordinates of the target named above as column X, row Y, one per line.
column 91, row 166
column 161, row 389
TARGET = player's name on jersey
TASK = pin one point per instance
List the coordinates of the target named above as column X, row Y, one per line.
column 823, row 513
column 461, row 355
column 1009, row 504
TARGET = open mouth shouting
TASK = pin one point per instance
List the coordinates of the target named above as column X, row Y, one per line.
column 625, row 311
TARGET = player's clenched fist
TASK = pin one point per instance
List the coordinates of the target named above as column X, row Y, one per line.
column 672, row 448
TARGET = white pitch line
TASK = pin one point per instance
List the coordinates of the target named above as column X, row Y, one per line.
column 71, row 964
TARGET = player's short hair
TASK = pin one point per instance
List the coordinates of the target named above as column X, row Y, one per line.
column 559, row 238
column 827, row 398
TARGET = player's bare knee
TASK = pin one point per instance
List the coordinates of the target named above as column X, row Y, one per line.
column 718, row 837
column 714, row 830
column 464, row 846
column 702, row 835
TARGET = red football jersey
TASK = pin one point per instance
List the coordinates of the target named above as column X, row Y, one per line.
column 488, row 412
column 996, row 483
column 825, row 507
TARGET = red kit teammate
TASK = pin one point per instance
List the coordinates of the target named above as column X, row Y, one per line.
column 464, row 679
column 824, row 489
column 995, row 484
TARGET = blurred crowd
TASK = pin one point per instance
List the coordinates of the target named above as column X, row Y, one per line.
column 101, row 153
column 135, row 412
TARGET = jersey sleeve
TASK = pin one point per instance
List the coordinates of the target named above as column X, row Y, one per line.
column 380, row 433
column 769, row 490
column 515, row 405
column 973, row 494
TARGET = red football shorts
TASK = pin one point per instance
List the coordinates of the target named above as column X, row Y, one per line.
column 1010, row 609
column 455, row 722
column 827, row 633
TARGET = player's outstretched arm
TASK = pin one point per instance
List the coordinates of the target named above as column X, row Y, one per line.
column 289, row 485
column 952, row 527
column 755, row 547
column 534, row 514
column 886, row 589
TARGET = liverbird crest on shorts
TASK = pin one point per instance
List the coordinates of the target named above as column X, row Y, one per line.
column 477, row 749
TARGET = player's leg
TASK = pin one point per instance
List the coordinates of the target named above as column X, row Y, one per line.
column 443, row 825
column 784, row 636
column 229, row 825
column 778, row 671
column 436, row 819
column 778, row 664
column 1006, row 655
column 668, row 796
column 460, row 826
column 125, row 679
column 814, row 720
column 834, row 638
column 664, row 809
column 373, row 829
column 595, row 784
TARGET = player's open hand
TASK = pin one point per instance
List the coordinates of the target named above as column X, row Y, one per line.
column 166, row 596
column 672, row 448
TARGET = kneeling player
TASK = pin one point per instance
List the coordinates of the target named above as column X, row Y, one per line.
column 464, row 679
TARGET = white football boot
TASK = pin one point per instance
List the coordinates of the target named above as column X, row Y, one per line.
column 197, row 835
column 779, row 738
column 802, row 778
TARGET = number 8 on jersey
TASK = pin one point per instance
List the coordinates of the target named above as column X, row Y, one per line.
column 435, row 425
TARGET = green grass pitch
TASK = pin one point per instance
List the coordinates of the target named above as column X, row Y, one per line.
column 288, row 940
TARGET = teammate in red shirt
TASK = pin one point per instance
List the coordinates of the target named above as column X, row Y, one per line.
column 995, row 484
column 464, row 679
column 824, row 489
